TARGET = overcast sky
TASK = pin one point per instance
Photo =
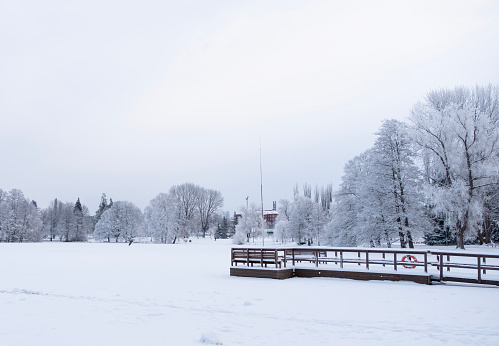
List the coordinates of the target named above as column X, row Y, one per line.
column 132, row 97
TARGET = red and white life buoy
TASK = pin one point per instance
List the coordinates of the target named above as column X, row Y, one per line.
column 409, row 259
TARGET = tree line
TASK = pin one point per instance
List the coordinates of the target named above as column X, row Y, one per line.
column 186, row 210
column 435, row 176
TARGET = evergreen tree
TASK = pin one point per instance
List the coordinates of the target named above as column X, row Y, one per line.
column 54, row 219
column 441, row 233
column 232, row 226
column 222, row 230
column 79, row 233
column 494, row 232
column 103, row 206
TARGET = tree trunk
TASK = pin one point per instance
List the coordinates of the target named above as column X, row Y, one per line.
column 402, row 240
column 388, row 242
column 479, row 235
column 409, row 239
column 460, row 240
column 486, row 230
column 461, row 228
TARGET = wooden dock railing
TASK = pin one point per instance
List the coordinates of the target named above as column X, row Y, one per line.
column 471, row 267
column 470, row 261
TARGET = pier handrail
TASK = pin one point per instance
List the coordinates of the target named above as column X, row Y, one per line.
column 390, row 257
column 480, row 259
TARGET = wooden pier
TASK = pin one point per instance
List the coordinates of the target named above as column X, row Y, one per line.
column 365, row 264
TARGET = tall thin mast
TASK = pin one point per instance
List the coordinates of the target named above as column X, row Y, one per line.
column 261, row 192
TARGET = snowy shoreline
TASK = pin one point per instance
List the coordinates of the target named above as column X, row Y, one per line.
column 93, row 293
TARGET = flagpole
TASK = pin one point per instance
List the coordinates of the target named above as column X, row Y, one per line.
column 261, row 192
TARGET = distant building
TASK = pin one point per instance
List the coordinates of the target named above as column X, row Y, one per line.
column 270, row 216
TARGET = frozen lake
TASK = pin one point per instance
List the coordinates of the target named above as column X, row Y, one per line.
column 147, row 294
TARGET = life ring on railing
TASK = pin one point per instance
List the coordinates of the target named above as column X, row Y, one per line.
column 409, row 259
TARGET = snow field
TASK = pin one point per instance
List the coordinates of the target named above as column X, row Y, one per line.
column 147, row 294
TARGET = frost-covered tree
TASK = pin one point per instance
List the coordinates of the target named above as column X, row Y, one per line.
column 88, row 221
column 239, row 237
column 490, row 221
column 250, row 223
column 103, row 206
column 299, row 226
column 345, row 227
column 162, row 218
column 319, row 217
column 324, row 196
column 232, row 224
column 281, row 231
column 307, row 190
column 303, row 219
column 3, row 212
column 187, row 196
column 79, row 231
column 458, row 134
column 208, row 203
column 20, row 218
column 51, row 218
column 380, row 195
column 283, row 209
column 198, row 206
column 67, row 222
column 396, row 180
column 122, row 221
column 360, row 215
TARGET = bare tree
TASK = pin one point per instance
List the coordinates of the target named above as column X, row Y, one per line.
column 307, row 190
column 326, row 196
column 187, row 196
column 209, row 201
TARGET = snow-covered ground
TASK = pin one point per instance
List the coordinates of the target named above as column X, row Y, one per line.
column 145, row 294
